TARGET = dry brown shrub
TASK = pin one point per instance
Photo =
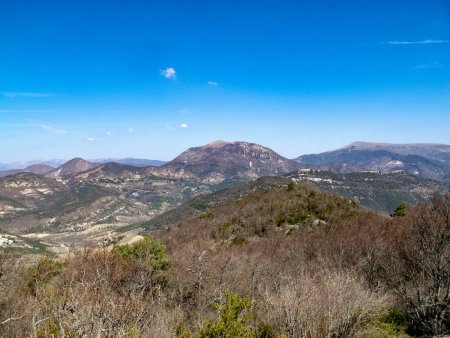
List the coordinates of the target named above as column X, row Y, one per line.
column 328, row 304
column 99, row 294
column 415, row 264
column 16, row 307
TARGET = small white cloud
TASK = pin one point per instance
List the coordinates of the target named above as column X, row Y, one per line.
column 90, row 139
column 26, row 94
column 169, row 73
column 130, row 130
column 420, row 42
column 184, row 125
column 213, row 83
column 108, row 133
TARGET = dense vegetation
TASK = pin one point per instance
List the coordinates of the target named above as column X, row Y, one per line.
column 290, row 261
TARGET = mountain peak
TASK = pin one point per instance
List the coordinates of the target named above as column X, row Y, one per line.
column 238, row 148
column 72, row 167
column 216, row 144
column 76, row 160
column 220, row 160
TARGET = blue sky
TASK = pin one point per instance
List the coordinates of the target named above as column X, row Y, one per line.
column 150, row 78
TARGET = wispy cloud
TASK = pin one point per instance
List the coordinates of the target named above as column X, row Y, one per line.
column 108, row 133
column 90, row 139
column 169, row 73
column 13, row 111
column 419, row 42
column 131, row 130
column 429, row 65
column 213, row 83
column 26, row 94
column 52, row 129
column 183, row 111
column 184, row 125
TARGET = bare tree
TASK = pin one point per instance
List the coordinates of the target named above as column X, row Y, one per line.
column 416, row 265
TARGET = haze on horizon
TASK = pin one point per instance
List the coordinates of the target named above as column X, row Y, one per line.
column 147, row 79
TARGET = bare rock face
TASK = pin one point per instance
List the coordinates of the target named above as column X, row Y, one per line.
column 219, row 161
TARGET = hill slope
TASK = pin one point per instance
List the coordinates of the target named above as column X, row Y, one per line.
column 202, row 203
column 258, row 213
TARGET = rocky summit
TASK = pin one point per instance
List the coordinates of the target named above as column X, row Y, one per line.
column 219, row 161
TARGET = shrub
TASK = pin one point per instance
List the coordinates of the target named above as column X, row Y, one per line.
column 148, row 251
column 235, row 319
column 394, row 325
column 400, row 210
column 291, row 186
column 42, row 273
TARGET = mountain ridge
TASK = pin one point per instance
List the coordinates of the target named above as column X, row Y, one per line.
column 40, row 169
column 426, row 160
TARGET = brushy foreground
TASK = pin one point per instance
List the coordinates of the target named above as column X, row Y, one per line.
column 293, row 262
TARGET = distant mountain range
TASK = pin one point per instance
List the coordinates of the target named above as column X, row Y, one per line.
column 39, row 169
column 55, row 163
column 213, row 163
column 424, row 160
column 22, row 165
column 220, row 161
column 81, row 195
